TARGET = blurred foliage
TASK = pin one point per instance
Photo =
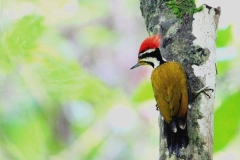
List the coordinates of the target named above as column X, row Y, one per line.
column 98, row 35
column 49, row 81
column 226, row 121
column 223, row 67
column 143, row 92
column 19, row 40
column 227, row 115
column 224, row 37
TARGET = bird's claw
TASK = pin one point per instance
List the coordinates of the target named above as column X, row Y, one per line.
column 156, row 107
column 206, row 89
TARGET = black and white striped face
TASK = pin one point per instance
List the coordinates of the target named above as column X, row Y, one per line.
column 151, row 57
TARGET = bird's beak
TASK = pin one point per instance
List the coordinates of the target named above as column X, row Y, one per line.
column 136, row 65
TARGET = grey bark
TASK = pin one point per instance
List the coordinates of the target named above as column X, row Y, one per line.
column 190, row 40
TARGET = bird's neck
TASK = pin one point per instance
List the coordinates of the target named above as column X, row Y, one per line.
column 157, row 60
column 159, row 57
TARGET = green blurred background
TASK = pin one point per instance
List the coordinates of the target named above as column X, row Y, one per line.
column 67, row 91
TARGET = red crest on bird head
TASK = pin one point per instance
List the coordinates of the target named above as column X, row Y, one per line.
column 150, row 43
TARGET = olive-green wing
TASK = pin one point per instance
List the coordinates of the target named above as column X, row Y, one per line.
column 170, row 90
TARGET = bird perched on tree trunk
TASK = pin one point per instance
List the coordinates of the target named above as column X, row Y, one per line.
column 171, row 91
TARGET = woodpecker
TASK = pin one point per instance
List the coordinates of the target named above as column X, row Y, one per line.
column 171, row 91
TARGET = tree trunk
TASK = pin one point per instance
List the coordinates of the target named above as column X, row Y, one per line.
column 188, row 36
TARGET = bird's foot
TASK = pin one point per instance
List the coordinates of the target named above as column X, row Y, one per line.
column 203, row 90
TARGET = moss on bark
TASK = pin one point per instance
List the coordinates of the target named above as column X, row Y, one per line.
column 179, row 8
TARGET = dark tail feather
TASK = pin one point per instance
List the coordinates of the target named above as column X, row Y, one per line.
column 175, row 141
